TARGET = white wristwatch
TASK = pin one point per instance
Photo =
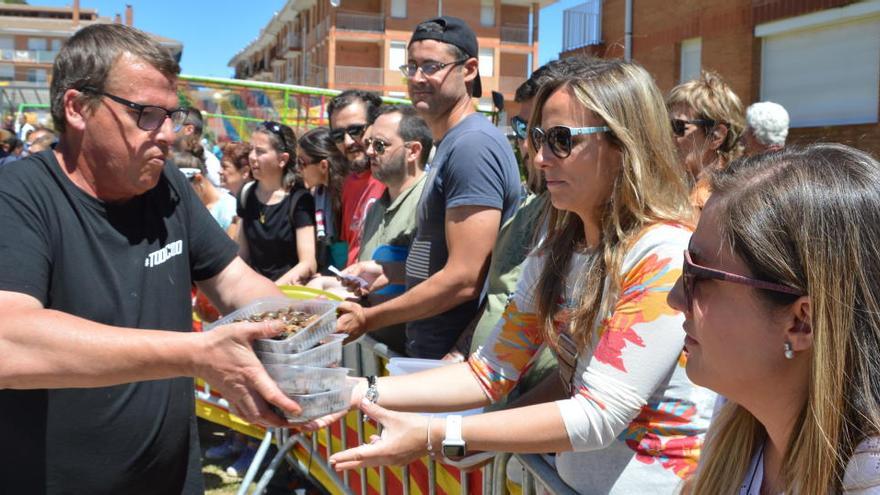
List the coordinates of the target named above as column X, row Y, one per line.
column 454, row 447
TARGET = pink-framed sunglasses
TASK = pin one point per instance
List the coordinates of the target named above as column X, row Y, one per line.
column 692, row 272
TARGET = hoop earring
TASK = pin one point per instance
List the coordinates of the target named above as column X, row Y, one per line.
column 789, row 353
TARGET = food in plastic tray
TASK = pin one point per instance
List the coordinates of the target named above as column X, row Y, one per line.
column 310, row 320
column 326, row 355
column 321, row 404
column 306, row 379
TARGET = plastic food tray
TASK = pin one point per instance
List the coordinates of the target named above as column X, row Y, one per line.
column 324, row 325
column 316, row 405
column 305, row 379
column 326, row 355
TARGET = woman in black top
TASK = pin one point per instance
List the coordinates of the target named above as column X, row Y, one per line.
column 278, row 214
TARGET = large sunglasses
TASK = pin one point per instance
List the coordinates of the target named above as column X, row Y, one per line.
column 355, row 131
column 691, row 273
column 520, row 127
column 276, row 128
column 559, row 137
column 428, row 68
column 679, row 126
column 149, row 117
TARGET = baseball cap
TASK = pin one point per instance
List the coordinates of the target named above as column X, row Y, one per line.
column 455, row 32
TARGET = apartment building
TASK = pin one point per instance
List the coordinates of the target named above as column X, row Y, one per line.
column 818, row 58
column 361, row 43
column 31, row 36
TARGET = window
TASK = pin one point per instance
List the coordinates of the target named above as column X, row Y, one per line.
column 396, row 54
column 56, row 44
column 398, row 9
column 487, row 13
column 826, row 74
column 37, row 75
column 487, row 62
column 7, row 72
column 37, row 44
column 691, row 51
column 7, row 43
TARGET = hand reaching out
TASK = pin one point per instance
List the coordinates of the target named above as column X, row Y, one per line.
column 403, row 440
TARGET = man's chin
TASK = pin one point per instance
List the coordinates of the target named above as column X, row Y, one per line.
column 359, row 165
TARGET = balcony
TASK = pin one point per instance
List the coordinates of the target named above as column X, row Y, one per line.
column 292, row 43
column 30, row 56
column 316, row 77
column 351, row 21
column 515, row 33
column 582, row 25
column 359, row 76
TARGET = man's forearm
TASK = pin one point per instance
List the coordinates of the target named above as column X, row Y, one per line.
column 438, row 293
column 44, row 348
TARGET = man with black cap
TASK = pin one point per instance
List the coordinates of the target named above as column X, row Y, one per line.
column 473, row 186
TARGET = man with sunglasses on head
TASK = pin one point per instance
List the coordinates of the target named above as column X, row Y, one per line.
column 350, row 113
column 472, row 187
column 102, row 242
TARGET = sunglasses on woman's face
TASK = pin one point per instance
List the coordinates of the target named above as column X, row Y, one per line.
column 679, row 126
column 275, row 128
column 559, row 137
column 520, row 128
column 691, row 273
column 355, row 131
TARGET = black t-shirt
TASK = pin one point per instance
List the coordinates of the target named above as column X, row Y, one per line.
column 271, row 240
column 129, row 265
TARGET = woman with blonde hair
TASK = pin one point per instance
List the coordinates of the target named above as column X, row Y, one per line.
column 781, row 296
column 707, row 122
column 594, row 292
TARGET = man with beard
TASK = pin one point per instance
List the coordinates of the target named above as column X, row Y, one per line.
column 351, row 112
column 473, row 186
column 102, row 242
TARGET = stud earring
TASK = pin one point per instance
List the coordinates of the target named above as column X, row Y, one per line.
column 789, row 353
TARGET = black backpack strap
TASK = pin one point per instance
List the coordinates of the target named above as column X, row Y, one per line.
column 245, row 194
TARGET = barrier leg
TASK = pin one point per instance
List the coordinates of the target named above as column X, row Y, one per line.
column 255, row 464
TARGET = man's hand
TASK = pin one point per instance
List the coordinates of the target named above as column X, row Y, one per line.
column 229, row 365
column 352, row 320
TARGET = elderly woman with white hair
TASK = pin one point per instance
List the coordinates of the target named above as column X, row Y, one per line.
column 766, row 128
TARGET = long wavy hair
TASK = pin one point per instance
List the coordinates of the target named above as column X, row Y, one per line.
column 317, row 145
column 650, row 187
column 809, row 218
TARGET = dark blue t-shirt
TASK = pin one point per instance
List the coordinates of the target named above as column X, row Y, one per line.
column 127, row 264
column 473, row 165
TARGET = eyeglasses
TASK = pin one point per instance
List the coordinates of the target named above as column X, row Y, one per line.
column 377, row 144
column 679, row 126
column 520, row 128
column 276, row 128
column 428, row 68
column 559, row 137
column 150, row 117
column 692, row 272
column 355, row 131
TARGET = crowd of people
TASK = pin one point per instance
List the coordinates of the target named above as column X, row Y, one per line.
column 654, row 287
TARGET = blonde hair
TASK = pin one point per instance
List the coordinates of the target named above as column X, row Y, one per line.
column 808, row 218
column 650, row 187
column 712, row 99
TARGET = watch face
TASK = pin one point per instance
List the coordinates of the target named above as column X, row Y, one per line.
column 454, row 451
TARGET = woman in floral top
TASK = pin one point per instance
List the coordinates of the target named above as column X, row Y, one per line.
column 595, row 292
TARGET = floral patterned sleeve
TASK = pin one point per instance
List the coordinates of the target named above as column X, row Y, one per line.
column 514, row 342
column 625, row 383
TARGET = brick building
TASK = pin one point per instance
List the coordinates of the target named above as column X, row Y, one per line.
column 818, row 58
column 361, row 43
column 31, row 36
